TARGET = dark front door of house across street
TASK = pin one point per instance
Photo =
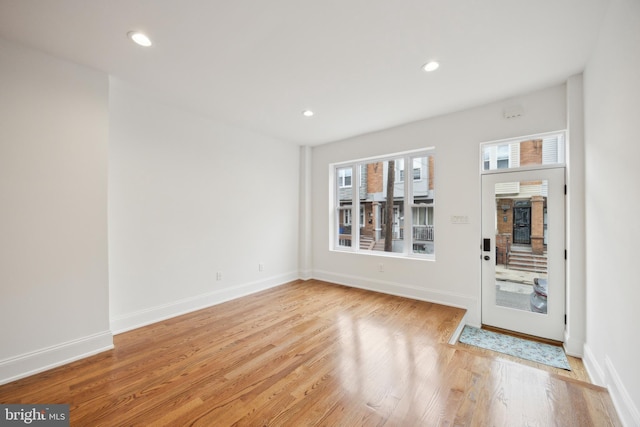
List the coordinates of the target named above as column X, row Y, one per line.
column 522, row 225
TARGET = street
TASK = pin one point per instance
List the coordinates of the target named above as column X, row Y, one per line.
column 513, row 295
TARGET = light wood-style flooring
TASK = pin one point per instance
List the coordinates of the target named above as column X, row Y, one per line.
column 311, row 353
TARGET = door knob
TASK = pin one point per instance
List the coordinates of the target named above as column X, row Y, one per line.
column 487, row 257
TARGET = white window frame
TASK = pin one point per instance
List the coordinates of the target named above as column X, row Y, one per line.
column 503, row 155
column 342, row 178
column 419, row 169
column 355, row 165
column 401, row 170
column 347, row 216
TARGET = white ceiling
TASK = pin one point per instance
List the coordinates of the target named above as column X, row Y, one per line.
column 356, row 63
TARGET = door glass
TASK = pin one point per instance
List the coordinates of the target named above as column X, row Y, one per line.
column 521, row 245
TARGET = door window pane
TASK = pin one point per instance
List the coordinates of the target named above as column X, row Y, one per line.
column 521, row 245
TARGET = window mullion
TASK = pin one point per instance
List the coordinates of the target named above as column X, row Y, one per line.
column 336, row 210
column 408, row 212
column 355, row 207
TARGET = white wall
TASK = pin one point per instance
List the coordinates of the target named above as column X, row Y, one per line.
column 305, row 215
column 188, row 198
column 612, row 130
column 454, row 277
column 575, row 331
column 53, row 211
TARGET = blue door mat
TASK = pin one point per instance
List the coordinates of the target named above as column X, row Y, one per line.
column 530, row 350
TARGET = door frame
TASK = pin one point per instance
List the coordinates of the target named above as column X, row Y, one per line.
column 551, row 325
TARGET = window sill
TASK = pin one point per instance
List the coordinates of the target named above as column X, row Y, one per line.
column 397, row 255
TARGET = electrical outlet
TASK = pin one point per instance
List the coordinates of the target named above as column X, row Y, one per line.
column 381, row 268
column 261, row 267
column 218, row 276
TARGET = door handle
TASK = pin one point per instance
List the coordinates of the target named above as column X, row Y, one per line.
column 487, row 257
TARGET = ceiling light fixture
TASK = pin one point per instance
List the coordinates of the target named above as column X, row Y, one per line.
column 430, row 66
column 307, row 113
column 139, row 38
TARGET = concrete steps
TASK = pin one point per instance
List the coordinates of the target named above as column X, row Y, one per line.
column 366, row 243
column 527, row 261
column 379, row 246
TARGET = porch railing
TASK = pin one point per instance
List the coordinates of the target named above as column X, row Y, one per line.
column 423, row 233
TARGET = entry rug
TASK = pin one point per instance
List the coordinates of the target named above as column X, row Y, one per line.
column 530, row 350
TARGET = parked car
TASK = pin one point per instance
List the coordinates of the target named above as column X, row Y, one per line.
column 538, row 297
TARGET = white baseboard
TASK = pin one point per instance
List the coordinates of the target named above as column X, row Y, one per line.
column 572, row 346
column 596, row 374
column 408, row 291
column 305, row 275
column 127, row 322
column 627, row 410
column 44, row 359
column 609, row 378
column 458, row 331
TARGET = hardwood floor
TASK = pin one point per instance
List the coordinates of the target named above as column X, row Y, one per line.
column 578, row 371
column 310, row 353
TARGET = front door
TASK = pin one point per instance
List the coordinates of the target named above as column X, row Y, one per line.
column 521, row 225
column 396, row 223
column 523, row 287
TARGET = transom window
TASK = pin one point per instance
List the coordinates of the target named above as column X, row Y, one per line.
column 531, row 151
column 395, row 215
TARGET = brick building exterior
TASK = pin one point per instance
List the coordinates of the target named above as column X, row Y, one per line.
column 521, row 208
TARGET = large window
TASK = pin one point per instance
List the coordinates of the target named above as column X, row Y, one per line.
column 395, row 214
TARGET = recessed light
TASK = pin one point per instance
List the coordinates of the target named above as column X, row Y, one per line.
column 430, row 66
column 139, row 38
column 307, row 113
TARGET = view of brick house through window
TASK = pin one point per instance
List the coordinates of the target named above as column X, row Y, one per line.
column 394, row 214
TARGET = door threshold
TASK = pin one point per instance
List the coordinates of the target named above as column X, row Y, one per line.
column 523, row 336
